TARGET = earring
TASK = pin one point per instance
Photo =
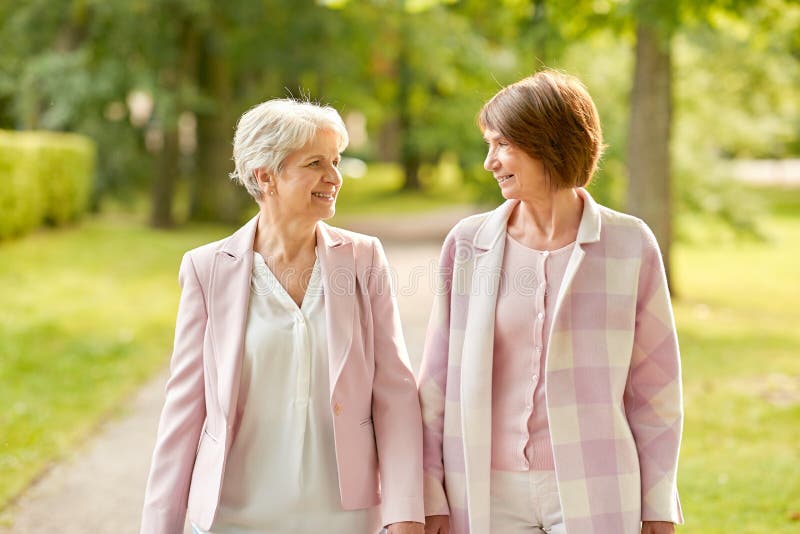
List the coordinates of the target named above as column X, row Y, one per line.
column 271, row 192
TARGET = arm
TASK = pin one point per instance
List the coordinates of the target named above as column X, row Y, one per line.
column 395, row 406
column 182, row 416
column 432, row 390
column 653, row 399
column 658, row 527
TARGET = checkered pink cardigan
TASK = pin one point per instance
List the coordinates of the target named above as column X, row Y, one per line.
column 612, row 378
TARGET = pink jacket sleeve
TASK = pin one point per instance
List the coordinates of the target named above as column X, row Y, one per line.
column 433, row 383
column 653, row 398
column 182, row 416
column 395, row 406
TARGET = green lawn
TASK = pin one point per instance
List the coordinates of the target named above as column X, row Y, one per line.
column 738, row 319
column 86, row 314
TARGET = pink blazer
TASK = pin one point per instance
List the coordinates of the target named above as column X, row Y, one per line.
column 369, row 377
column 612, row 377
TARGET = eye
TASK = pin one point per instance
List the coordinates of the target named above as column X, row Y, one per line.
column 314, row 163
column 336, row 163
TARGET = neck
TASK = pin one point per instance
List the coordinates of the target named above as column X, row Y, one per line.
column 282, row 238
column 549, row 215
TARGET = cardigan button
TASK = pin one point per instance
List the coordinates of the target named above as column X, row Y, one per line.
column 337, row 408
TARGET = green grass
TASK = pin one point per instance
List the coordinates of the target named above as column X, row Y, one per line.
column 86, row 314
column 738, row 324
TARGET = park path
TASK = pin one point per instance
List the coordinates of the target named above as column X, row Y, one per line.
column 99, row 488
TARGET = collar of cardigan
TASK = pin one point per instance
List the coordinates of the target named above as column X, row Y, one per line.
column 494, row 226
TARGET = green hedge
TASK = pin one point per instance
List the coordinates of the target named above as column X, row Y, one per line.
column 45, row 178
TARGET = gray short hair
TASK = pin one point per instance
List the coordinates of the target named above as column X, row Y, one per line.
column 268, row 132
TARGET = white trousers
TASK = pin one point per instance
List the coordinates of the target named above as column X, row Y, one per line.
column 525, row 502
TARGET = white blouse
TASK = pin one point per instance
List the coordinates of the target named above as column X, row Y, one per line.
column 281, row 474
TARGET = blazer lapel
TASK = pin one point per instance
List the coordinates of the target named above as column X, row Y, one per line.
column 482, row 278
column 338, row 268
column 229, row 299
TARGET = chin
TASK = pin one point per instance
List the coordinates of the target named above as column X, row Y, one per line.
column 509, row 194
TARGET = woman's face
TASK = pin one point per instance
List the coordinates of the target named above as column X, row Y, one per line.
column 518, row 175
column 307, row 186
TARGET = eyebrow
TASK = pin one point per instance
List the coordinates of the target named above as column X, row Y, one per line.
column 319, row 156
column 494, row 138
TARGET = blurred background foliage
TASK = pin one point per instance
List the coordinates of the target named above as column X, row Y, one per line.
column 158, row 84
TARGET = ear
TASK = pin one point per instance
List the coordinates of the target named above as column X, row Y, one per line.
column 263, row 176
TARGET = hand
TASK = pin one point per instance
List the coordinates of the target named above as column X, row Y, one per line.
column 406, row 527
column 437, row 524
column 658, row 527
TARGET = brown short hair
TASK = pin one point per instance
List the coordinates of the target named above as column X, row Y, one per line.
column 552, row 118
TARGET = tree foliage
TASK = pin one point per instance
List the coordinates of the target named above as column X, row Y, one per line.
column 416, row 71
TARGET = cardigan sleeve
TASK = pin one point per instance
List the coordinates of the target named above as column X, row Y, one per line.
column 433, row 383
column 182, row 417
column 653, row 393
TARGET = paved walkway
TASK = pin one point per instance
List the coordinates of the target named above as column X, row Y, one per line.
column 99, row 489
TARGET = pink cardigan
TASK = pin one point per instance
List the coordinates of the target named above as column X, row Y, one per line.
column 528, row 288
column 612, row 377
column 370, row 380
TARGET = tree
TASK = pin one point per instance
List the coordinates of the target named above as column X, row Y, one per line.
column 649, row 164
column 649, row 183
column 425, row 82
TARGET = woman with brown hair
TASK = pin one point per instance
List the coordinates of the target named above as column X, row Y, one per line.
column 550, row 383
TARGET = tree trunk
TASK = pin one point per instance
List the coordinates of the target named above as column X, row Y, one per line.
column 409, row 153
column 164, row 184
column 649, row 189
column 172, row 78
column 213, row 196
column 411, row 164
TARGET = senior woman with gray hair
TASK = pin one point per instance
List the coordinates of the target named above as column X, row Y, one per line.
column 290, row 407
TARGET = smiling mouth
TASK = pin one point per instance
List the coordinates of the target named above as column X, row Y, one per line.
column 325, row 196
column 502, row 179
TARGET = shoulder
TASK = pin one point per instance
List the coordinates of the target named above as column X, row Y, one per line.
column 617, row 219
column 624, row 232
column 466, row 228
column 205, row 253
column 363, row 244
column 358, row 239
column 200, row 259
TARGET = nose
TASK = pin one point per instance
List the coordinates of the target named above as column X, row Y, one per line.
column 333, row 176
column 490, row 162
